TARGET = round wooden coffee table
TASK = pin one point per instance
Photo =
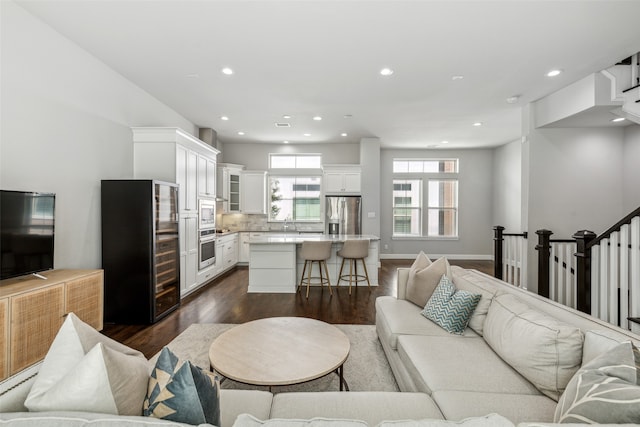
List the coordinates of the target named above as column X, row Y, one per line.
column 280, row 351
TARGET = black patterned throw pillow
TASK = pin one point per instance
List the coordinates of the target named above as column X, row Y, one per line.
column 182, row 392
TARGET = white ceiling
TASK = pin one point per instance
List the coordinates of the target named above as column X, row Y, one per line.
column 307, row 58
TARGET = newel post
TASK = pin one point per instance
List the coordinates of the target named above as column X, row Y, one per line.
column 583, row 269
column 497, row 251
column 544, row 253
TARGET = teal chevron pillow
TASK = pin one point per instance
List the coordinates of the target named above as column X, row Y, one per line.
column 449, row 307
column 182, row 392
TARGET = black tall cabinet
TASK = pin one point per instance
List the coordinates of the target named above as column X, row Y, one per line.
column 140, row 250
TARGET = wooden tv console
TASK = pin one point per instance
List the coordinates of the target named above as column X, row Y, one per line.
column 33, row 309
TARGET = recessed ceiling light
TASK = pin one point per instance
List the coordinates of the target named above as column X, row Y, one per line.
column 307, row 134
column 445, row 142
column 226, row 70
column 286, row 116
column 285, row 142
column 477, row 124
column 513, row 99
column 458, row 77
column 240, row 133
column 617, row 119
column 224, row 118
column 386, row 72
column 343, row 134
column 317, row 118
column 554, row 73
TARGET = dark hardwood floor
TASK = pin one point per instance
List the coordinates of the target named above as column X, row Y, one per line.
column 225, row 300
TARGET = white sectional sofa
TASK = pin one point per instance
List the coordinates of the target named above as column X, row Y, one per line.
column 442, row 376
column 465, row 375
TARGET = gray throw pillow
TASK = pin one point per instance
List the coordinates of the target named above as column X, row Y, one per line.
column 605, row 391
column 424, row 276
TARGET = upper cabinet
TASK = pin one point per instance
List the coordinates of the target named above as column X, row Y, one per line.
column 173, row 155
column 253, row 191
column 229, row 182
column 206, row 176
column 341, row 179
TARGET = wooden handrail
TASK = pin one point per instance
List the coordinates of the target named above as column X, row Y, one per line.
column 626, row 220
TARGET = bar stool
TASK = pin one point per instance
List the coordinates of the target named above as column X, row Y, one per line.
column 318, row 252
column 354, row 250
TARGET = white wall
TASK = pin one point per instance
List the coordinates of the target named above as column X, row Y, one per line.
column 507, row 187
column 256, row 156
column 474, row 200
column 65, row 126
column 631, row 186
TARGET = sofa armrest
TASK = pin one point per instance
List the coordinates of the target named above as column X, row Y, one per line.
column 403, row 277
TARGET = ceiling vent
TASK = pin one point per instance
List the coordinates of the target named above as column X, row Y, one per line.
column 283, row 125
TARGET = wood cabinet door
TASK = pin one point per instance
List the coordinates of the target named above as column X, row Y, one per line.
column 4, row 339
column 35, row 319
column 84, row 297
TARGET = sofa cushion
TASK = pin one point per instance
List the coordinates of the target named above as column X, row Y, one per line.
column 597, row 343
column 605, row 390
column 236, row 402
column 424, row 277
column 544, row 350
column 246, row 420
column 182, row 392
column 475, row 284
column 490, row 420
column 449, row 307
column 395, row 317
column 456, row 405
column 82, row 419
column 371, row 407
column 457, row 363
column 87, row 371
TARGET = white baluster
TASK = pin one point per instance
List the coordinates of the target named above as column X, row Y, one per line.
column 614, row 280
column 624, row 275
column 634, row 263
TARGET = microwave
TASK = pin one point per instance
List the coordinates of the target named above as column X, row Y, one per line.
column 207, row 214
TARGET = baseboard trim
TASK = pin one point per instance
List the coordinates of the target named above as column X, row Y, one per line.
column 436, row 256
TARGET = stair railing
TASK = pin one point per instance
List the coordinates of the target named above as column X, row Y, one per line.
column 556, row 268
column 510, row 257
column 609, row 272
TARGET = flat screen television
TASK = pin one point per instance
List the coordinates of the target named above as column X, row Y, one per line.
column 26, row 232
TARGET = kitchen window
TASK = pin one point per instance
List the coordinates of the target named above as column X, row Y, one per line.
column 294, row 198
column 425, row 198
column 295, row 161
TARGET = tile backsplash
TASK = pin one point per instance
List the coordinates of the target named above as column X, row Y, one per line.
column 244, row 222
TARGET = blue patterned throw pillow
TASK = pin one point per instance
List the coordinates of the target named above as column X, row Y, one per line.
column 182, row 392
column 450, row 308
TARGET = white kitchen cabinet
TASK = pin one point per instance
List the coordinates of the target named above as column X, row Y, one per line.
column 341, row 179
column 206, row 176
column 229, row 182
column 188, row 228
column 226, row 252
column 243, row 248
column 253, row 192
column 173, row 155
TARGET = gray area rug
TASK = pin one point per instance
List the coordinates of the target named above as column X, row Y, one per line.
column 366, row 368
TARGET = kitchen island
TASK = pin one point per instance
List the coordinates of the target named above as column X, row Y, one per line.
column 275, row 265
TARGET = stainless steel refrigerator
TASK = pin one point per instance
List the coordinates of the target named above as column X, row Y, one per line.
column 343, row 215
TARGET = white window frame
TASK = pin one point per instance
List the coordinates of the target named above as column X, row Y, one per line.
column 414, row 169
column 297, row 160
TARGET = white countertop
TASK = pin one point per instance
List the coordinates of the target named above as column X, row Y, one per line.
column 270, row 238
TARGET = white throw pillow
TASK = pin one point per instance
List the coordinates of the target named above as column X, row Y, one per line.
column 89, row 372
column 424, row 277
column 542, row 349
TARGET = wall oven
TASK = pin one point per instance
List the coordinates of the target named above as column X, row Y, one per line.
column 207, row 248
